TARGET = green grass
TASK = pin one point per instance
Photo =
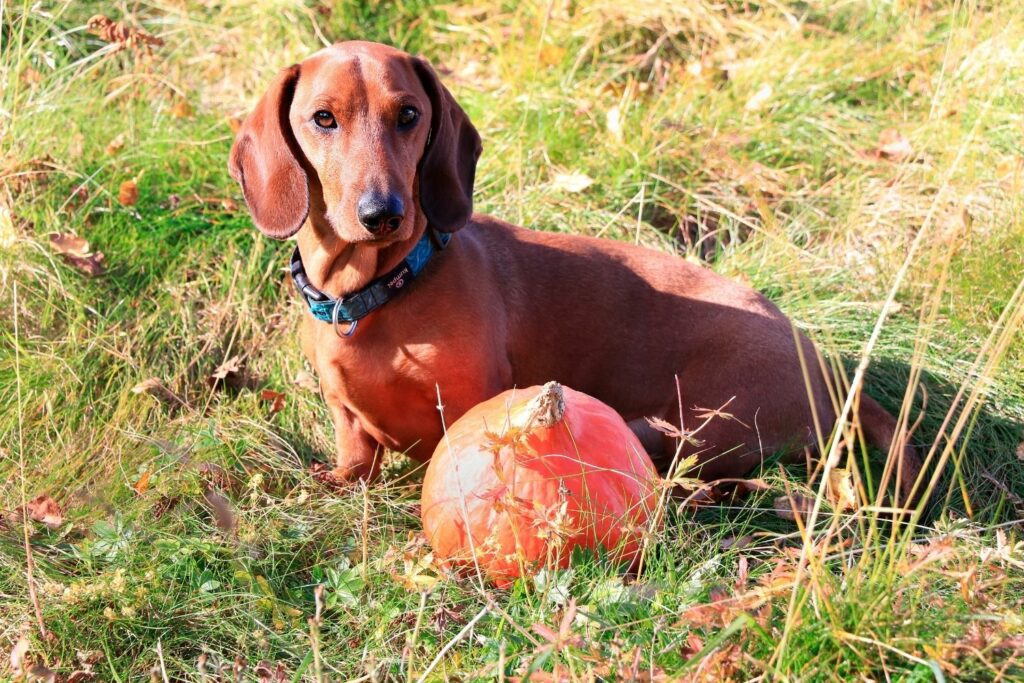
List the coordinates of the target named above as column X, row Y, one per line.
column 804, row 211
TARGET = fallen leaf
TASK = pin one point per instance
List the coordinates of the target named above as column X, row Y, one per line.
column 30, row 76
column 128, row 195
column 115, row 145
column 147, row 386
column 892, row 145
column 842, row 492
column 223, row 517
column 788, row 507
column 69, row 245
column 181, row 109
column 122, row 35
column 79, row 194
column 18, row 653
column 91, row 265
column 613, row 122
column 1020, row 451
column 44, row 509
column 758, row 99
column 307, row 381
column 230, row 368
column 551, row 54
column 142, row 485
column 276, row 399
column 572, row 182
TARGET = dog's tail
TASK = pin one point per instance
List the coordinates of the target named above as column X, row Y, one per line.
column 880, row 429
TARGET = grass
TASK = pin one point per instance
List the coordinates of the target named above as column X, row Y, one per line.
column 748, row 136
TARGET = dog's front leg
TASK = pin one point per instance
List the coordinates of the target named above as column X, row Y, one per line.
column 358, row 454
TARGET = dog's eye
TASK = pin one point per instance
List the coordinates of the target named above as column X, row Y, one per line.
column 325, row 119
column 408, row 117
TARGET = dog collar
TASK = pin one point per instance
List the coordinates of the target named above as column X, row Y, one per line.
column 353, row 307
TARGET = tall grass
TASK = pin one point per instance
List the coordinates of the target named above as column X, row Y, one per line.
column 859, row 162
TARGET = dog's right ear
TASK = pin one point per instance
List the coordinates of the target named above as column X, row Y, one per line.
column 265, row 162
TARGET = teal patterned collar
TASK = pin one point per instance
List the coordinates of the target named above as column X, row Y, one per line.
column 351, row 308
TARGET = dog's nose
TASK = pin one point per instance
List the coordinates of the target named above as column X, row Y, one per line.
column 380, row 213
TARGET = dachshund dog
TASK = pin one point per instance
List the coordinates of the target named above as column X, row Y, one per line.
column 363, row 154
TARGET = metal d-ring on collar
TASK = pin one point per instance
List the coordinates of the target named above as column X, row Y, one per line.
column 357, row 305
column 334, row 320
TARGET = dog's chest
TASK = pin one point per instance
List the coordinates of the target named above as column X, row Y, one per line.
column 395, row 391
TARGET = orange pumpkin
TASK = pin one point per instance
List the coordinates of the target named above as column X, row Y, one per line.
column 531, row 474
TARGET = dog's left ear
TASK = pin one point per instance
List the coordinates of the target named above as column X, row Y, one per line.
column 448, row 166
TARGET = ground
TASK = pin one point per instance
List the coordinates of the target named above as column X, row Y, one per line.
column 859, row 162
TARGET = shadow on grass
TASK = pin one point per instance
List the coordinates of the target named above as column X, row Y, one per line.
column 986, row 484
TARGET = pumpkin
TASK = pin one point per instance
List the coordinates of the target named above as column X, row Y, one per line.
column 526, row 477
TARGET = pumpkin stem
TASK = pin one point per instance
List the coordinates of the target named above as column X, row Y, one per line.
column 546, row 408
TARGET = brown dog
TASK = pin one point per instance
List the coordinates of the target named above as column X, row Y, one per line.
column 362, row 152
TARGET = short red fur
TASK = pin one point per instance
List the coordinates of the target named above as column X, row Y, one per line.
column 504, row 306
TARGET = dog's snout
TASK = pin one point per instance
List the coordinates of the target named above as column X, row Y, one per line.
column 380, row 213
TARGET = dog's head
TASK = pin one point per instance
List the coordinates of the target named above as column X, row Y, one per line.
column 364, row 136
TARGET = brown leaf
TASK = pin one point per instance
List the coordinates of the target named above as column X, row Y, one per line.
column 306, row 381
column 842, row 492
column 128, row 195
column 892, row 145
column 276, row 399
column 181, row 109
column 115, row 145
column 123, row 36
column 154, row 387
column 69, row 245
column 1020, row 451
column 142, row 485
column 229, row 372
column 742, row 573
column 788, row 507
column 91, row 265
column 44, row 509
column 222, row 514
column 231, row 366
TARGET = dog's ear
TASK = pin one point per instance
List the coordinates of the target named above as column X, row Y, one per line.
column 448, row 166
column 265, row 162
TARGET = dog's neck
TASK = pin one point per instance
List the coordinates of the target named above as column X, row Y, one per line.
column 339, row 268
